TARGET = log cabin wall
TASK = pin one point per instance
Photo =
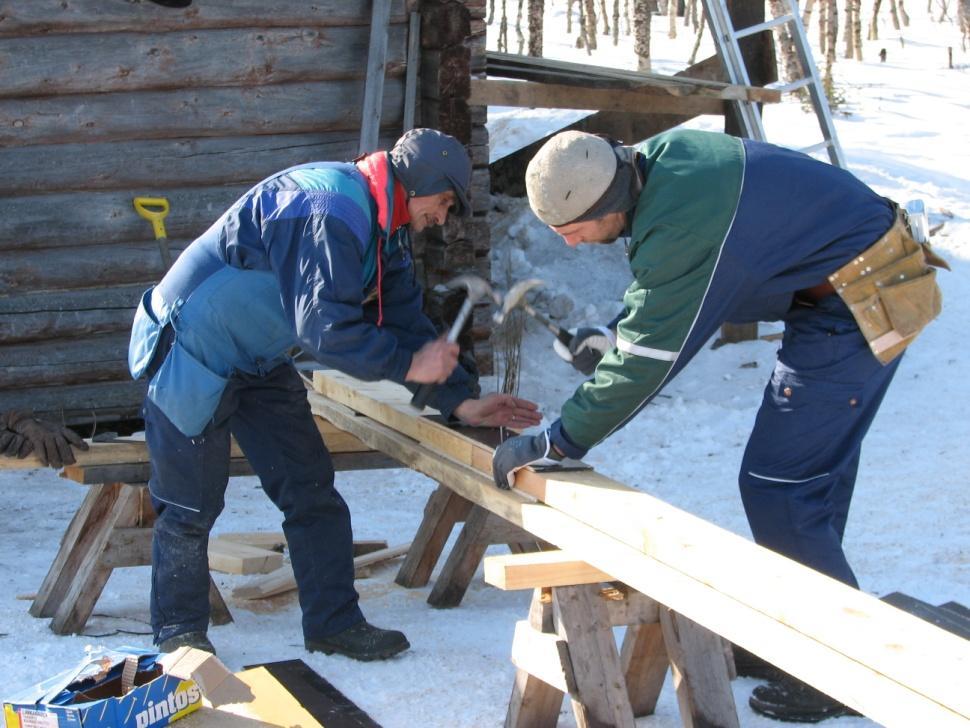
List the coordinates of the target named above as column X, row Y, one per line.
column 102, row 101
column 452, row 52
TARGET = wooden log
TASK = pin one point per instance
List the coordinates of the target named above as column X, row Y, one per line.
column 19, row 328
column 445, row 73
column 542, row 568
column 559, row 96
column 214, row 112
column 86, row 16
column 76, row 403
column 166, row 163
column 96, row 63
column 120, row 297
column 46, row 363
column 116, row 264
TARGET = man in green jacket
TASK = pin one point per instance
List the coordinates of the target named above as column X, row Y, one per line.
column 724, row 229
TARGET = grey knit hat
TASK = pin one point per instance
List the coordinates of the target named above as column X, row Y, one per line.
column 428, row 162
column 569, row 175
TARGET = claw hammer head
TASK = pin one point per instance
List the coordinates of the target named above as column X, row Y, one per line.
column 478, row 288
column 514, row 297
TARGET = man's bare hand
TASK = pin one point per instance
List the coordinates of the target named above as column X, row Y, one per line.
column 433, row 362
column 499, row 410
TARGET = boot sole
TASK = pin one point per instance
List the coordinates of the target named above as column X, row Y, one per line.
column 369, row 657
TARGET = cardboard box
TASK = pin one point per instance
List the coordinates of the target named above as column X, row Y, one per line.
column 91, row 694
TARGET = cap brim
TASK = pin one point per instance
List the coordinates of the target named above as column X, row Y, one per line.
column 464, row 207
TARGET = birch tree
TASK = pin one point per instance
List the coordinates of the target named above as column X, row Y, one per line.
column 537, row 10
column 791, row 68
column 642, row 14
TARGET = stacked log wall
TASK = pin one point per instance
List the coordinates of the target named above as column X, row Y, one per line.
column 452, row 53
column 102, row 101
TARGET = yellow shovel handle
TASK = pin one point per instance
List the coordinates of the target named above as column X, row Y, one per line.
column 143, row 207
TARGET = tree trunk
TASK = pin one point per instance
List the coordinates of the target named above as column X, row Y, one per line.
column 503, row 31
column 519, row 35
column 894, row 14
column 791, row 68
column 697, row 43
column 569, row 15
column 847, row 35
column 857, row 28
column 807, row 13
column 903, row 14
column 671, row 18
column 831, row 37
column 590, row 25
column 963, row 18
column 642, row 14
column 605, row 16
column 537, row 11
column 616, row 22
column 874, row 24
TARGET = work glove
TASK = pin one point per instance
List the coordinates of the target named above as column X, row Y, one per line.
column 13, row 445
column 49, row 441
column 517, row 452
column 587, row 347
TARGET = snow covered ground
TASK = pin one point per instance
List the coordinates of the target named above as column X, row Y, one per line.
column 904, row 129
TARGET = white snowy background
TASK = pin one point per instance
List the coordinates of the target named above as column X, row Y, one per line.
column 904, row 127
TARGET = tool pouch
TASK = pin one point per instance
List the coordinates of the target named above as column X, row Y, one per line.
column 891, row 290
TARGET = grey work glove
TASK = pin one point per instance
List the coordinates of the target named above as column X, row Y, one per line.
column 517, row 452
column 587, row 347
column 49, row 441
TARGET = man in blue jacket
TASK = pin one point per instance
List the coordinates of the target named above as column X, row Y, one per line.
column 724, row 229
column 316, row 257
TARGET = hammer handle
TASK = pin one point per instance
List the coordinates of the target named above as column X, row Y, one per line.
column 421, row 397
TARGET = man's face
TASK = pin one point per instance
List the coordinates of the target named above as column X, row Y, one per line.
column 428, row 210
column 604, row 229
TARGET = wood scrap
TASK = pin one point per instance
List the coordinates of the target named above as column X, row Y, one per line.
column 282, row 580
column 231, row 557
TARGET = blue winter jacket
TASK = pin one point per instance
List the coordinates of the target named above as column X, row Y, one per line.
column 292, row 264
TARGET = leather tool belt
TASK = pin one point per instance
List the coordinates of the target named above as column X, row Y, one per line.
column 891, row 289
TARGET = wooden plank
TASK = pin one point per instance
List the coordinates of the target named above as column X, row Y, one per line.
column 76, row 403
column 85, row 16
column 282, row 108
column 644, row 661
column 581, row 620
column 884, row 663
column 552, row 71
column 443, row 510
column 538, row 653
column 526, row 94
column 462, row 563
column 411, row 72
column 128, row 547
column 370, row 116
column 239, row 558
column 165, row 163
column 182, row 59
column 700, row 672
column 538, row 569
column 273, row 541
column 46, row 363
column 282, row 580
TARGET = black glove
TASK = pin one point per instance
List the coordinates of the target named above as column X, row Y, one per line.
column 587, row 347
column 51, row 442
column 518, row 452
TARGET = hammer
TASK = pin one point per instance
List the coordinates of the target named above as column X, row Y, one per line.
column 477, row 289
column 515, row 298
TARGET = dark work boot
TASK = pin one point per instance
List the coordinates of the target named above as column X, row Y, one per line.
column 789, row 699
column 198, row 640
column 363, row 642
column 748, row 664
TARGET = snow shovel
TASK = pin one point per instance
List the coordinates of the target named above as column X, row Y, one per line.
column 154, row 209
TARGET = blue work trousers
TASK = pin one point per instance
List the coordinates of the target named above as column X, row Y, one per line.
column 270, row 418
column 800, row 464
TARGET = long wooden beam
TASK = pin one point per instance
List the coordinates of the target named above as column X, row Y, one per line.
column 125, row 451
column 887, row 664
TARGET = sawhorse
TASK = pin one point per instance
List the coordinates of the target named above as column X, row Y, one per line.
column 566, row 647
column 112, row 528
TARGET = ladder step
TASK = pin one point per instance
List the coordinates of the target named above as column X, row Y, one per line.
column 767, row 25
column 815, row 147
column 787, row 88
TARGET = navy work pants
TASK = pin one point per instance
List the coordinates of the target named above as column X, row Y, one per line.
column 270, row 418
column 800, row 464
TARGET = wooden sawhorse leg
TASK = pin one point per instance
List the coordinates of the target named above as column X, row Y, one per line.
column 443, row 510
column 112, row 528
column 567, row 648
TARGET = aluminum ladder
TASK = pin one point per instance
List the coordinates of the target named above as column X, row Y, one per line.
column 726, row 39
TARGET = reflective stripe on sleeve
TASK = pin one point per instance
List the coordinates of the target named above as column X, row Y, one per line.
column 645, row 351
